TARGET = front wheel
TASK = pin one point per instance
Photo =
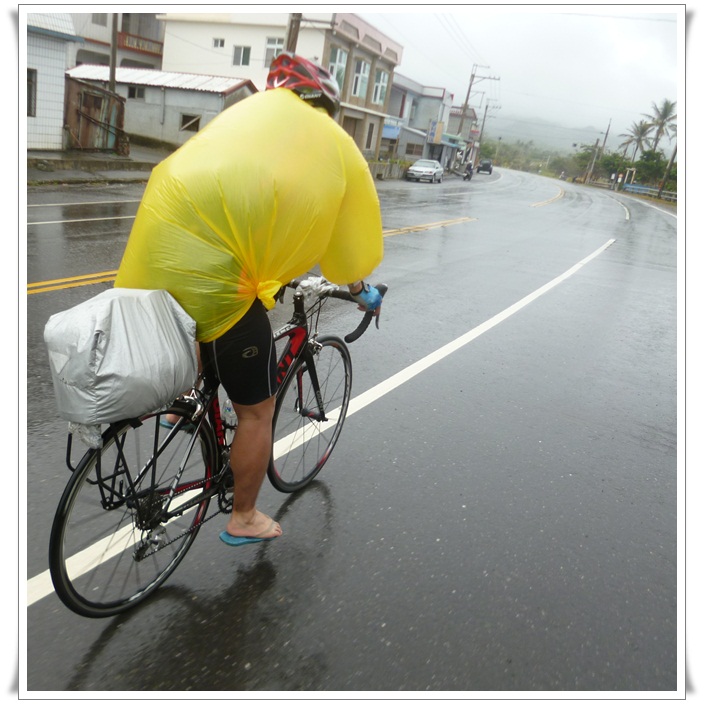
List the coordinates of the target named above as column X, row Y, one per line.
column 117, row 535
column 307, row 424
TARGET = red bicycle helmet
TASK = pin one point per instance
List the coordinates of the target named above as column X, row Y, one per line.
column 308, row 80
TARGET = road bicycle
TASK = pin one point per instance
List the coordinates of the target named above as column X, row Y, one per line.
column 133, row 507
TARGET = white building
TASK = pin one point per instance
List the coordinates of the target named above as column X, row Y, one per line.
column 244, row 44
column 49, row 37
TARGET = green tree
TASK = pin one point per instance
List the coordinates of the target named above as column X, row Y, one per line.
column 583, row 158
column 637, row 136
column 608, row 164
column 651, row 166
column 663, row 121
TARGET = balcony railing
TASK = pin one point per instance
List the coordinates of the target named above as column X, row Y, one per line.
column 141, row 44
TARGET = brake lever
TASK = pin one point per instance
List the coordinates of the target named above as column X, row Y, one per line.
column 361, row 329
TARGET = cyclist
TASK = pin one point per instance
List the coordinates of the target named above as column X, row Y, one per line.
column 268, row 189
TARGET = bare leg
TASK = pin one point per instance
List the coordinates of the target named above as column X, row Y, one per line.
column 249, row 457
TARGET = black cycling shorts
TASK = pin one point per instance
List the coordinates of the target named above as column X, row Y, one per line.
column 244, row 358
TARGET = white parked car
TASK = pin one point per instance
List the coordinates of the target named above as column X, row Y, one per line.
column 425, row 169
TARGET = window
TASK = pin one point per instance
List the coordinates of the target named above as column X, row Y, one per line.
column 218, row 43
column 241, row 57
column 370, row 135
column 361, row 78
column 31, row 92
column 338, row 63
column 92, row 102
column 380, row 84
column 274, row 46
column 100, row 18
column 414, row 149
column 135, row 92
column 190, row 123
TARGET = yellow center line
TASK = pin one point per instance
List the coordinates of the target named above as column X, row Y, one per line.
column 105, row 276
column 551, row 200
column 72, row 282
column 428, row 226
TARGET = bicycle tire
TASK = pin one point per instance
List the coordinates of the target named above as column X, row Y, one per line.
column 108, row 548
column 303, row 444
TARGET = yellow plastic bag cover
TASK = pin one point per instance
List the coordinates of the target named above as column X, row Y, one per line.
column 267, row 190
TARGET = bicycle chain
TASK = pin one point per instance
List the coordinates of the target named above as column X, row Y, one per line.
column 224, row 506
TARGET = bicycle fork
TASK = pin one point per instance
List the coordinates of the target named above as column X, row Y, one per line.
column 309, row 365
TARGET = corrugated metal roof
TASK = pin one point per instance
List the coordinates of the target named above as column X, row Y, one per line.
column 152, row 77
column 58, row 22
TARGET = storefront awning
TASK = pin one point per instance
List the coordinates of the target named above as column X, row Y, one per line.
column 390, row 131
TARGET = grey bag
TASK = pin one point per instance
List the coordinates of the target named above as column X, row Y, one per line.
column 120, row 354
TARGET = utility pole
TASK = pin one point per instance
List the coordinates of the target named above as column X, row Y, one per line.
column 294, row 24
column 591, row 166
column 603, row 146
column 481, row 133
column 472, row 79
column 113, row 53
column 667, row 172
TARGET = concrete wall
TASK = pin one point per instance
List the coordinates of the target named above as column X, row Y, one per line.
column 158, row 114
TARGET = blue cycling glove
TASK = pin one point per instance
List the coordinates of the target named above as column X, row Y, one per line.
column 369, row 297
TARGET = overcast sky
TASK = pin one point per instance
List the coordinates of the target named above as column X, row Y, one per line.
column 577, row 65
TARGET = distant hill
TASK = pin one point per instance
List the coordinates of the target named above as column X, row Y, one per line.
column 543, row 133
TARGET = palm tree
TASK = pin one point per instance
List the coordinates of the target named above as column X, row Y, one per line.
column 663, row 120
column 637, row 135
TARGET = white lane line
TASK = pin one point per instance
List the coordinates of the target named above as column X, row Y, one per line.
column 41, row 585
column 628, row 212
column 648, row 205
column 83, row 562
column 60, row 222
column 421, row 365
column 87, row 202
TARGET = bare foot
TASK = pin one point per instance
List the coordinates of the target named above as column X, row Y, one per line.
column 256, row 525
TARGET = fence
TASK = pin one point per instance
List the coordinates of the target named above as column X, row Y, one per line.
column 387, row 170
column 652, row 192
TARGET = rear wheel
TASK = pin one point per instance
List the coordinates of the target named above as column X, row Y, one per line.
column 111, row 543
column 306, row 428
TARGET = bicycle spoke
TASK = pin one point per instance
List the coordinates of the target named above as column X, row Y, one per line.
column 111, row 545
column 303, row 442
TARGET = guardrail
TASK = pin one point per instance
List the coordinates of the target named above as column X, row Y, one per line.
column 648, row 191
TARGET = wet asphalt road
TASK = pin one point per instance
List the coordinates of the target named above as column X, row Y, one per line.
column 503, row 519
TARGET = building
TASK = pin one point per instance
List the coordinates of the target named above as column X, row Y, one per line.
column 467, row 130
column 50, row 36
column 58, row 41
column 139, row 39
column 419, row 126
column 362, row 59
column 166, row 107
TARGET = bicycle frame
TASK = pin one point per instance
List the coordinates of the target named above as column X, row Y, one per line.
column 205, row 408
column 298, row 345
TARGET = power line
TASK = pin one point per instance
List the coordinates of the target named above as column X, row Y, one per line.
column 454, row 33
column 459, row 29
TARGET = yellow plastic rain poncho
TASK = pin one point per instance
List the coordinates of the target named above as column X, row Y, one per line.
column 267, row 190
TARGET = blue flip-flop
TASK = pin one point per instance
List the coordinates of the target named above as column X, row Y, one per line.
column 236, row 540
